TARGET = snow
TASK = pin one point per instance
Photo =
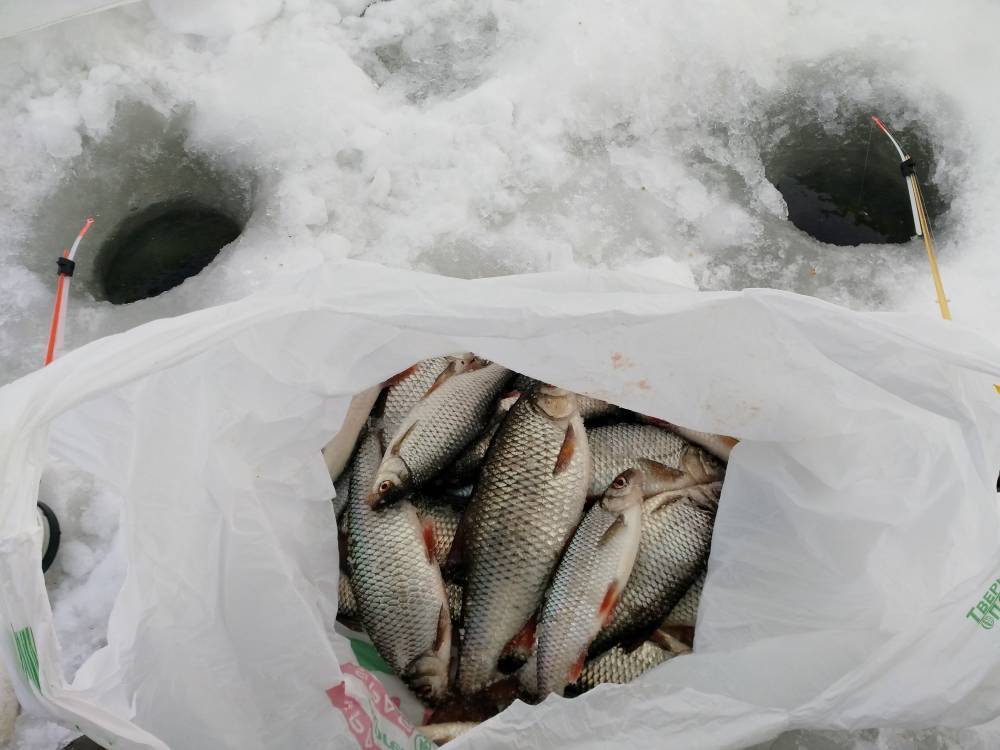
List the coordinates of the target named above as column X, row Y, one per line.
column 478, row 138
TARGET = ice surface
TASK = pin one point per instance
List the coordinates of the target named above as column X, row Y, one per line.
column 473, row 138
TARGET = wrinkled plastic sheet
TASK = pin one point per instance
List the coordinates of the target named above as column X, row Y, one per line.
column 850, row 578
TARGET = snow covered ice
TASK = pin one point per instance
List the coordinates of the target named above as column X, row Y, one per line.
column 472, row 139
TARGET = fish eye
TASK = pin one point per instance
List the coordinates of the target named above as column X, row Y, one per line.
column 619, row 482
column 385, row 486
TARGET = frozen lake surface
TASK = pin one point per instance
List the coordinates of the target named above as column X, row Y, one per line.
column 475, row 139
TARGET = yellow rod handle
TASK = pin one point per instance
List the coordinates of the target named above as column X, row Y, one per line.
column 925, row 228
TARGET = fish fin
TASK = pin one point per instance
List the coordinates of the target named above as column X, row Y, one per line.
column 675, row 638
column 443, row 628
column 663, row 500
column 659, row 477
column 519, row 648
column 430, row 540
column 566, row 451
column 577, row 669
column 701, row 465
column 608, row 603
column 706, row 495
column 396, row 445
column 657, row 422
column 454, row 566
column 612, row 531
column 399, row 377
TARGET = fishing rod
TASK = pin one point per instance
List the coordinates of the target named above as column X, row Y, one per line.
column 67, row 264
column 921, row 224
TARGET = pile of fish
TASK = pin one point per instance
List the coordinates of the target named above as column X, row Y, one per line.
column 503, row 537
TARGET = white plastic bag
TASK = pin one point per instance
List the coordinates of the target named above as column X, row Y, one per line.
column 856, row 535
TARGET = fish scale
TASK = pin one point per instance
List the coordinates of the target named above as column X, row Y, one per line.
column 685, row 612
column 615, row 448
column 439, row 427
column 444, row 519
column 402, row 396
column 520, row 518
column 595, row 560
column 619, row 666
column 673, row 549
column 400, row 594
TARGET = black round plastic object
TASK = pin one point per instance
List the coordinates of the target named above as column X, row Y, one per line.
column 55, row 533
column 158, row 248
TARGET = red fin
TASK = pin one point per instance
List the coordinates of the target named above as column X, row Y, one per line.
column 525, row 639
column 430, row 540
column 519, row 648
column 399, row 377
column 566, row 451
column 577, row 669
column 608, row 603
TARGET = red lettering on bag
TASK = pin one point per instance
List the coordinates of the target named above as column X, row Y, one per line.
column 358, row 722
column 382, row 701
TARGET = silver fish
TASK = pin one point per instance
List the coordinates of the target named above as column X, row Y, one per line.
column 528, row 501
column 404, row 391
column 443, row 519
column 447, row 419
column 673, row 549
column 619, row 665
column 396, row 580
column 719, row 446
column 590, row 578
column 616, row 447
column 685, row 612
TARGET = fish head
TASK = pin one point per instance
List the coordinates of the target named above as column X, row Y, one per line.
column 701, row 465
column 557, row 403
column 624, row 491
column 392, row 481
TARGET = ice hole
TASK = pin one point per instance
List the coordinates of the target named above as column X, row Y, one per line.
column 159, row 247
column 842, row 182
